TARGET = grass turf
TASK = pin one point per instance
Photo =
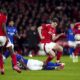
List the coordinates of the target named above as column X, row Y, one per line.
column 70, row 72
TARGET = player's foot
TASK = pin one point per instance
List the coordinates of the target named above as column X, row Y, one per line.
column 58, row 61
column 70, row 56
column 16, row 68
column 75, row 59
column 2, row 71
column 62, row 65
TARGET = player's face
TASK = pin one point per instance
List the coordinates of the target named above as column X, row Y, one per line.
column 54, row 24
column 11, row 23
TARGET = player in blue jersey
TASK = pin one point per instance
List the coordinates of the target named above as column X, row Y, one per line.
column 12, row 31
column 32, row 64
column 71, row 39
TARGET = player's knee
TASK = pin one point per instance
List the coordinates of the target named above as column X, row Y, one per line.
column 61, row 48
column 53, row 55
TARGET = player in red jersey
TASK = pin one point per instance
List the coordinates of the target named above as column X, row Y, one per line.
column 4, row 41
column 77, row 41
column 47, row 33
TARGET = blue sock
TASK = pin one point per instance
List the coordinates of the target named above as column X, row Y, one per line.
column 71, row 50
column 51, row 66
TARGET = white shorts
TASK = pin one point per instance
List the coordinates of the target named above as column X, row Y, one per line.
column 10, row 44
column 2, row 40
column 48, row 46
column 72, row 43
column 34, row 64
column 77, row 43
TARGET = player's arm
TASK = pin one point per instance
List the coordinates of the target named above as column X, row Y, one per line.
column 4, row 25
column 4, row 29
column 55, row 37
column 17, row 35
column 39, row 31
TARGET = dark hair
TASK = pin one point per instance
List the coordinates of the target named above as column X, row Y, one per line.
column 55, row 20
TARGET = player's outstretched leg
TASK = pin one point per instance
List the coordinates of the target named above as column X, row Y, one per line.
column 13, row 57
column 14, row 61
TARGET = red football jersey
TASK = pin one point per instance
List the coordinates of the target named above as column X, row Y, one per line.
column 47, row 32
column 77, row 28
column 3, row 19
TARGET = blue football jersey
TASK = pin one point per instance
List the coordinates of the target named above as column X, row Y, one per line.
column 11, row 32
column 19, row 57
column 70, row 35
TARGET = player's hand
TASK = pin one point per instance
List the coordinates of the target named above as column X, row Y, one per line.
column 62, row 34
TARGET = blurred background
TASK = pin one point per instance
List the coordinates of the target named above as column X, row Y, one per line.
column 27, row 15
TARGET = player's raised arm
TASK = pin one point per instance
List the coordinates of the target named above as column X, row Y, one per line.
column 39, row 31
column 55, row 37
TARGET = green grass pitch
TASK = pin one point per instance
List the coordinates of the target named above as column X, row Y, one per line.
column 70, row 72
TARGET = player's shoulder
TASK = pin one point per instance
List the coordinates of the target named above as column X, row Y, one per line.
column 14, row 28
column 77, row 24
column 3, row 16
column 47, row 25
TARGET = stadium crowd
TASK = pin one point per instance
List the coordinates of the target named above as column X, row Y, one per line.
column 27, row 15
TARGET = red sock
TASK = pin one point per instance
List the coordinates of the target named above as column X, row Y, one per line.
column 59, row 54
column 50, row 57
column 14, row 60
column 76, row 51
column 1, row 62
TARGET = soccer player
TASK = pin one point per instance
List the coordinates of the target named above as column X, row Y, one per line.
column 12, row 31
column 71, row 39
column 4, row 41
column 32, row 64
column 77, row 41
column 47, row 33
